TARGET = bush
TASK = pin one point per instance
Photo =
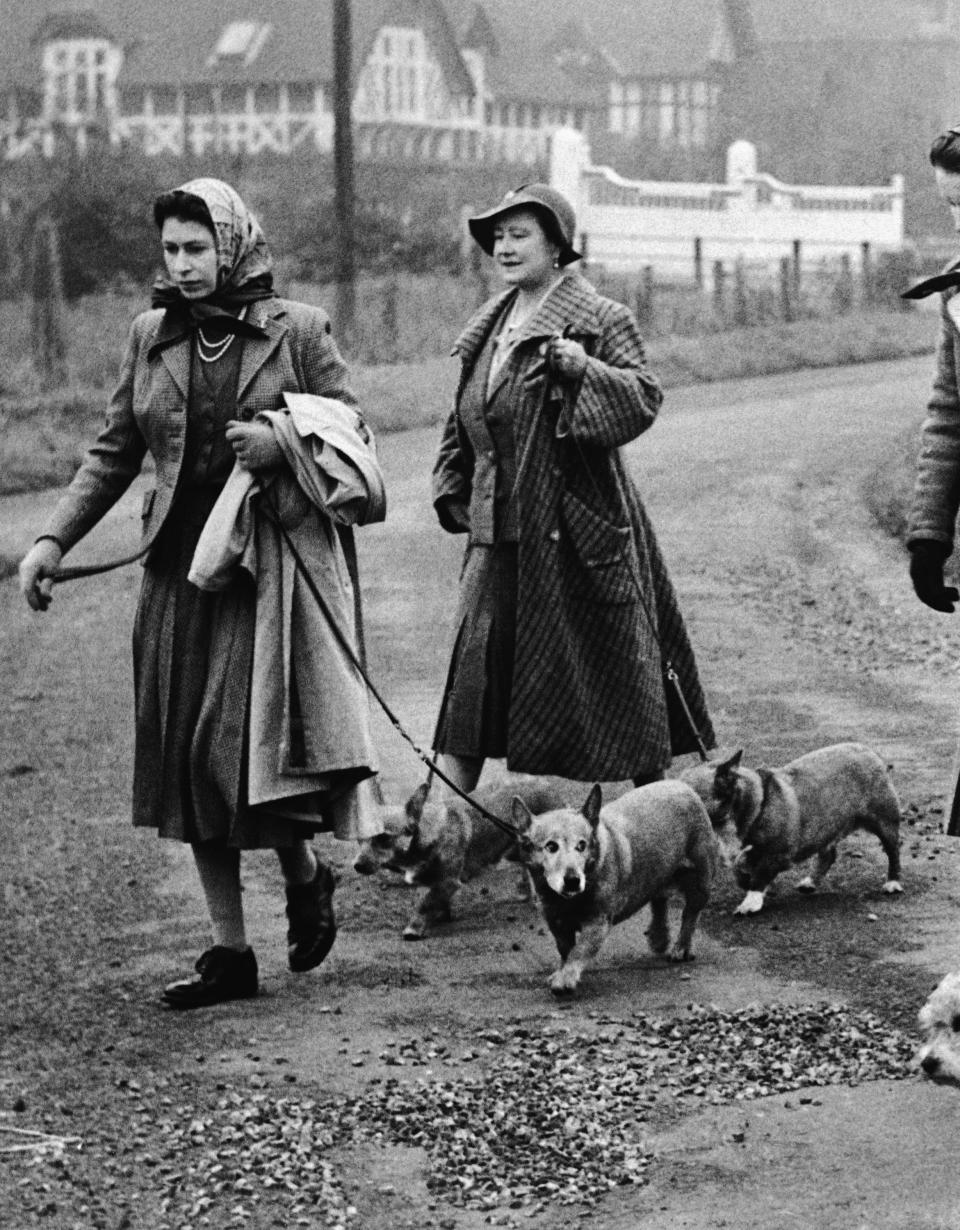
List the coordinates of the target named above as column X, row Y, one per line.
column 101, row 205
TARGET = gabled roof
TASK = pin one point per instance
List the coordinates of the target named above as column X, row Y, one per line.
column 634, row 38
column 171, row 41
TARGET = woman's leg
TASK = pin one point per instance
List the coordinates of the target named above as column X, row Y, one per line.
column 463, row 771
column 298, row 863
column 219, row 871
column 228, row 970
column 310, row 885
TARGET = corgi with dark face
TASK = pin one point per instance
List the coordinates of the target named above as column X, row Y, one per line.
column 595, row 867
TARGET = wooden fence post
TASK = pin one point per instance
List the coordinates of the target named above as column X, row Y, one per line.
column 698, row 262
column 643, row 300
column 741, row 303
column 390, row 319
column 868, row 288
column 797, row 277
column 47, row 330
column 843, row 290
column 719, row 289
column 786, row 288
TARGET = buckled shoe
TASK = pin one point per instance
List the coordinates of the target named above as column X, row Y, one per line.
column 223, row 974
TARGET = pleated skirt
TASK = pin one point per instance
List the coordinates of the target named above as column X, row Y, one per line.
column 192, row 655
column 475, row 710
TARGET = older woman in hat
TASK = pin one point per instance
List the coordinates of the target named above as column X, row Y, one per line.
column 570, row 655
column 251, row 720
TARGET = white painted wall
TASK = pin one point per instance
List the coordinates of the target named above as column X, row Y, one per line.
column 752, row 217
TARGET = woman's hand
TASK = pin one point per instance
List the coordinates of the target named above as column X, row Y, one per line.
column 254, row 445
column 36, row 572
column 567, row 358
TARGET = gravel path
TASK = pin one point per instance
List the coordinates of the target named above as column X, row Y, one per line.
column 439, row 1085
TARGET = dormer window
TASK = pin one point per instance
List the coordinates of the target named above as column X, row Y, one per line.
column 80, row 78
column 240, row 42
column 399, row 75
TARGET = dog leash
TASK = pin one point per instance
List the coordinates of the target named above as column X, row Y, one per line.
column 433, row 768
column 670, row 674
column 78, row 571
column 74, row 572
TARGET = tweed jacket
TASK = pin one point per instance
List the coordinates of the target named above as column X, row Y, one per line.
column 936, row 495
column 147, row 412
column 597, row 617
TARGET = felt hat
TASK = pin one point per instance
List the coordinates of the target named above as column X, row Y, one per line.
column 560, row 218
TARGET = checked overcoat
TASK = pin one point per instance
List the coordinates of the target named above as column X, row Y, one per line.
column 597, row 617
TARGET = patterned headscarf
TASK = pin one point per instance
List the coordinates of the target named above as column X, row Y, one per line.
column 242, row 251
column 244, row 265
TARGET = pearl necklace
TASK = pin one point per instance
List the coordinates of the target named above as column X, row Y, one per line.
column 208, row 351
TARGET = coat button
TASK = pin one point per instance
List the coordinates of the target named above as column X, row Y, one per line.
column 554, row 535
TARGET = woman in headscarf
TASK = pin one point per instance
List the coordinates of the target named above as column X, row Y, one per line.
column 251, row 719
column 571, row 656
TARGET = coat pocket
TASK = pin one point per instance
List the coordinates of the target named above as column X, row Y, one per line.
column 599, row 558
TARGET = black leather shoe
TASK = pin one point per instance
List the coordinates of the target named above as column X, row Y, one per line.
column 224, row 974
column 312, row 925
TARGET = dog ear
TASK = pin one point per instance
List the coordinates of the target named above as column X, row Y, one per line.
column 727, row 766
column 417, row 801
column 522, row 815
column 591, row 808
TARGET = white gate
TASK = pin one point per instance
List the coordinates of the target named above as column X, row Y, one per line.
column 680, row 229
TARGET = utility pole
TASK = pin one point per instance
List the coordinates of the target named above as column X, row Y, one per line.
column 344, row 270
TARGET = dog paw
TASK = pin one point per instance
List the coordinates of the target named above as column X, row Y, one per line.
column 751, row 904
column 415, row 931
column 564, row 982
column 892, row 887
column 677, row 954
column 807, row 885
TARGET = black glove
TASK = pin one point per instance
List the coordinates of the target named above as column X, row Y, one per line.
column 453, row 514
column 927, row 558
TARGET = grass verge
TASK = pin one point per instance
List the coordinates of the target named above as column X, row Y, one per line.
column 42, row 436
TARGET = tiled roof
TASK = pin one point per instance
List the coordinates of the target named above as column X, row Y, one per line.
column 635, row 37
column 172, row 40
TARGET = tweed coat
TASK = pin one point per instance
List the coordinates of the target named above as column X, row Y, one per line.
column 148, row 409
column 936, row 495
column 597, row 616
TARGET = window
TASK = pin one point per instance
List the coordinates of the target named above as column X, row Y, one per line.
column 401, row 80
column 672, row 113
column 80, row 78
column 240, row 40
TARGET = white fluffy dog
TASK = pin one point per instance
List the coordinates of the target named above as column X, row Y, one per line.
column 939, row 1020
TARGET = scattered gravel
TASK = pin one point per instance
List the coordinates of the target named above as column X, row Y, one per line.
column 551, row 1114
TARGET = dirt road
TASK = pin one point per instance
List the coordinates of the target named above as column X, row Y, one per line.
column 806, row 633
